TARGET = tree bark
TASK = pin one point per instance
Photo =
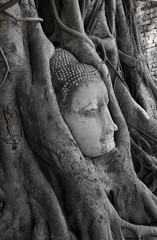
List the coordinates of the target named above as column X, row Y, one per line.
column 48, row 190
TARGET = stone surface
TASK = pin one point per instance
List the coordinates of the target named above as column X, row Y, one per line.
column 147, row 20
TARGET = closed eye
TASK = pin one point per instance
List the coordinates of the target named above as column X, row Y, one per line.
column 90, row 112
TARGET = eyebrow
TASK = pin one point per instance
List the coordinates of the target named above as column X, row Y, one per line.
column 92, row 103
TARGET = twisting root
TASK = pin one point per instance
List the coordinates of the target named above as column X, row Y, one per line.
column 141, row 131
column 139, row 230
column 8, row 4
column 7, row 65
column 67, row 29
column 23, row 19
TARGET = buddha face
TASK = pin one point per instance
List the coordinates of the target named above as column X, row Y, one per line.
column 89, row 119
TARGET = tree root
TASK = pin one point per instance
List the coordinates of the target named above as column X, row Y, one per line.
column 139, row 230
column 30, row 121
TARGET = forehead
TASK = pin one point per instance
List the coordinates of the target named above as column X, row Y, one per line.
column 87, row 93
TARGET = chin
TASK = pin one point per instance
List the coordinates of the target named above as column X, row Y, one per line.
column 92, row 154
column 107, row 147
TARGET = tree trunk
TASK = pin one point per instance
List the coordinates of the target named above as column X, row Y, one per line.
column 48, row 190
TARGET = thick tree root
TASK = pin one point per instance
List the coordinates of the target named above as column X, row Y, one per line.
column 31, row 126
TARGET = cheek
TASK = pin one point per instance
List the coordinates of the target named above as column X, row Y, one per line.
column 85, row 130
column 87, row 133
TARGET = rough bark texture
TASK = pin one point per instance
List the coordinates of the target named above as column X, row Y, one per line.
column 48, row 190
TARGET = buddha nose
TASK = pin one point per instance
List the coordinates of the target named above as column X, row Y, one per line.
column 107, row 123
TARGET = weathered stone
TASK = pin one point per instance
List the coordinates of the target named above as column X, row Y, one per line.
column 147, row 19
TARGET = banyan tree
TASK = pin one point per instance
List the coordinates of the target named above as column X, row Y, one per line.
column 51, row 188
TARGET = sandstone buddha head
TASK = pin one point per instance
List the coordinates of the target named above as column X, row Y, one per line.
column 83, row 100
